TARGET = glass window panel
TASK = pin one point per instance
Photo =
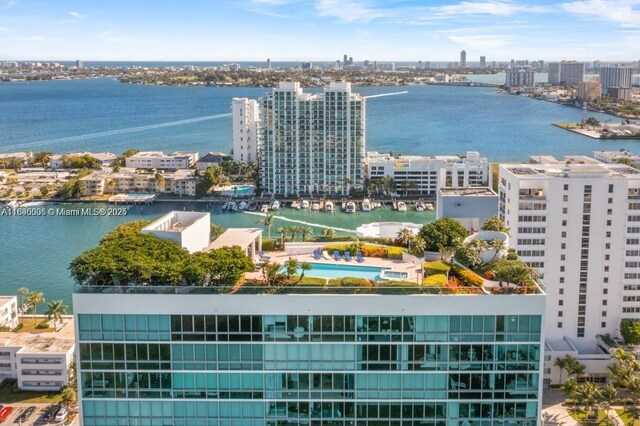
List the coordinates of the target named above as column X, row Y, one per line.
column 141, row 322
column 152, row 322
column 130, row 323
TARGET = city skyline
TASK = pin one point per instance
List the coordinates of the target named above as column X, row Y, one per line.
column 321, row 30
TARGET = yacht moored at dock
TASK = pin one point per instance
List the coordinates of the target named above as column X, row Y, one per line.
column 350, row 207
column 328, row 207
column 366, row 205
column 402, row 206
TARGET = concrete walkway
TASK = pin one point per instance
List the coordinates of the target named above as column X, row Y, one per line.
column 615, row 417
column 557, row 415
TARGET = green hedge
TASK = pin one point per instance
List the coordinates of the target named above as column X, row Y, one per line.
column 350, row 282
column 271, row 245
column 436, row 280
column 630, row 331
column 368, row 250
column 312, row 281
column 436, row 267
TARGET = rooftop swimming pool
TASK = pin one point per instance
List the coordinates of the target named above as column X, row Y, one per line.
column 341, row 270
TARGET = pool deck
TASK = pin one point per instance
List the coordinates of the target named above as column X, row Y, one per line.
column 393, row 264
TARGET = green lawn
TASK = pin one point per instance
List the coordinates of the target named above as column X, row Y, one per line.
column 625, row 416
column 579, row 416
column 7, row 396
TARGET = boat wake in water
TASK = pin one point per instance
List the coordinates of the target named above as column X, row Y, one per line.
column 120, row 131
column 302, row 222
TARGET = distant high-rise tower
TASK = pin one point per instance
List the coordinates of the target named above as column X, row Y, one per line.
column 312, row 143
column 427, row 65
column 566, row 72
column 79, row 64
column 345, row 60
column 615, row 76
column 483, row 61
column 245, row 117
column 268, row 63
column 520, row 76
column 463, row 59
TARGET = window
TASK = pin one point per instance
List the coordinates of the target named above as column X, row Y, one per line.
column 559, row 324
column 560, row 314
column 566, row 186
column 604, row 302
column 603, row 324
column 604, row 313
column 610, row 201
column 560, row 302
column 610, row 188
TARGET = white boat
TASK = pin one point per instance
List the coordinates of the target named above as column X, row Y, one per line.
column 366, row 205
column 243, row 205
column 295, row 205
column 315, row 207
column 264, row 208
column 305, row 204
column 328, row 207
column 419, row 206
column 402, row 206
column 351, row 207
column 13, row 204
column 275, row 205
column 429, row 207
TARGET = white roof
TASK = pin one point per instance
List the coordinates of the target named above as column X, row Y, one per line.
column 242, row 237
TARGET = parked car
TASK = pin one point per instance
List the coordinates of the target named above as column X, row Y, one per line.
column 5, row 413
column 26, row 414
column 61, row 415
column 50, row 413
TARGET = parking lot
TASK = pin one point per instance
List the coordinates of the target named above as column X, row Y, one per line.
column 40, row 416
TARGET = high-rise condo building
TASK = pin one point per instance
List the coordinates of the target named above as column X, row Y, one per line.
column 246, row 122
column 483, row 61
column 579, row 225
column 463, row 59
column 566, row 72
column 268, row 63
column 520, row 76
column 259, row 355
column 312, row 143
column 615, row 76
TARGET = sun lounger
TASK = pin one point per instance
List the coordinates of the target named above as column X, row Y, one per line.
column 262, row 256
column 325, row 255
column 359, row 257
column 317, row 255
column 336, row 255
column 347, row 256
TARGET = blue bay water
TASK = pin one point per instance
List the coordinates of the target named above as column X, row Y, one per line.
column 429, row 120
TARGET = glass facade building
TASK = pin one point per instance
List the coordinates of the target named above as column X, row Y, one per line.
column 309, row 359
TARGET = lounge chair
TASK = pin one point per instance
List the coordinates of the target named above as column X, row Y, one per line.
column 336, row 255
column 347, row 256
column 262, row 256
column 325, row 255
column 317, row 255
column 359, row 257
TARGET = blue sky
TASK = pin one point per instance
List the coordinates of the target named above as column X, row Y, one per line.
column 319, row 30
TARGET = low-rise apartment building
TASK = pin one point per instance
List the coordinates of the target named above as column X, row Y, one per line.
column 58, row 161
column 8, row 312
column 178, row 182
column 622, row 156
column 38, row 361
column 160, row 160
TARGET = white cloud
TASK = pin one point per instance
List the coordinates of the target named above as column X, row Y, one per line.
column 624, row 12
column 481, row 41
column 349, row 11
column 77, row 15
column 495, row 8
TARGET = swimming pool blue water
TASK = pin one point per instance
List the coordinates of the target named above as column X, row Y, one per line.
column 243, row 189
column 340, row 270
column 142, row 196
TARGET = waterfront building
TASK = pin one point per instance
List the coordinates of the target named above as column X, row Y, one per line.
column 617, row 157
column 315, row 355
column 312, row 143
column 422, row 175
column 159, row 160
column 38, row 361
column 246, row 124
column 615, row 76
column 566, row 72
column 469, row 206
column 8, row 312
column 79, row 64
column 619, row 93
column 58, row 161
column 211, row 159
column 178, row 182
column 578, row 225
column 483, row 61
column 9, row 158
column 463, row 59
column 589, row 90
column 519, row 76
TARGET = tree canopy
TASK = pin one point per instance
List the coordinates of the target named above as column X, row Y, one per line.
column 445, row 232
column 494, row 223
column 125, row 256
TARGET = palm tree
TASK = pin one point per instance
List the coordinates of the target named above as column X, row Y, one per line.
column 268, row 222
column 569, row 388
column 23, row 292
column 271, row 272
column 498, row 246
column 35, row 298
column 305, row 230
column 419, row 246
column 291, row 267
column 561, row 363
column 588, row 395
column 345, row 181
column 294, row 230
column 283, row 231
column 111, row 184
column 159, row 180
column 329, row 233
column 304, row 266
column 55, row 312
column 405, row 236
